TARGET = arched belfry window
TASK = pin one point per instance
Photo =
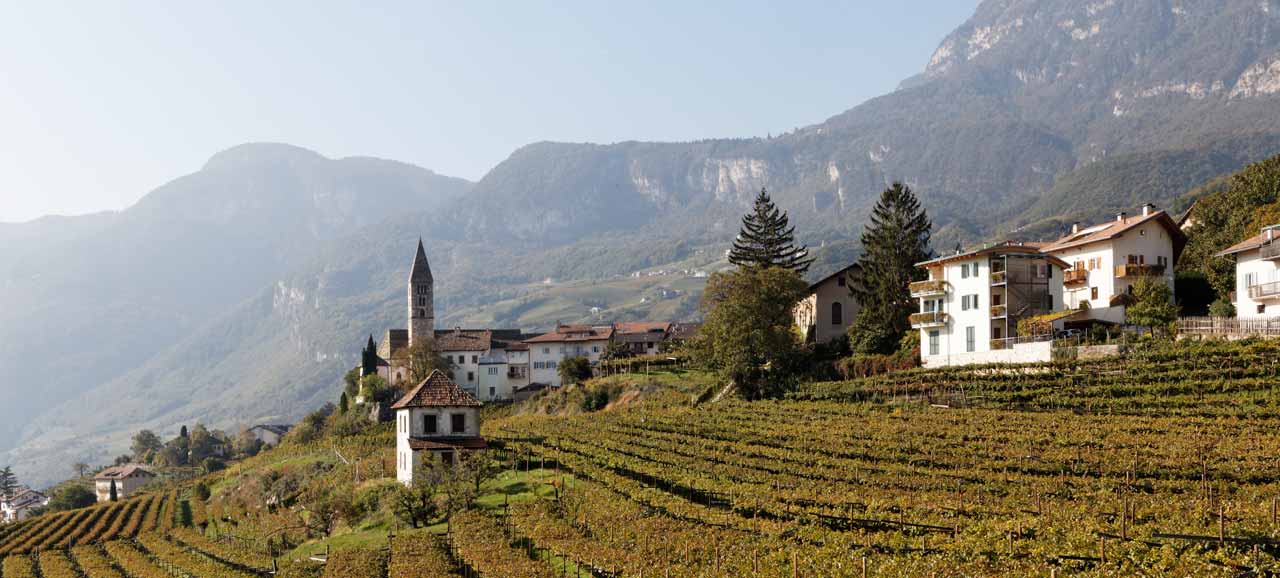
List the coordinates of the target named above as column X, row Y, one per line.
column 837, row 313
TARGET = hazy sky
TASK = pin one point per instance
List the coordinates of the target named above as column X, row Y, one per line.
column 101, row 101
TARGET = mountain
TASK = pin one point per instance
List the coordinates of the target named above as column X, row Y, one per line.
column 89, row 298
column 242, row 291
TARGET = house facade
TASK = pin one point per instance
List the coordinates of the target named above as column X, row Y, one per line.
column 269, row 434
column 1107, row 259
column 1257, row 294
column 972, row 302
column 436, row 422
column 828, row 309
column 548, row 350
column 642, row 337
column 20, row 505
column 126, row 480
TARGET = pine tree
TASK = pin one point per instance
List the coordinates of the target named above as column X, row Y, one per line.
column 768, row 240
column 896, row 239
column 8, row 482
column 114, row 495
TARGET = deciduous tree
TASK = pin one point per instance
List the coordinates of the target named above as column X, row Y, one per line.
column 1151, row 304
column 425, row 357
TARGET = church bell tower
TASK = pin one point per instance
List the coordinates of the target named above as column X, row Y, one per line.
column 422, row 316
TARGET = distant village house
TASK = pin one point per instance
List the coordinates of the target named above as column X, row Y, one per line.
column 124, row 479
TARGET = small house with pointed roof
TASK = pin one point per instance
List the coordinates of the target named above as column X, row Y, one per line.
column 436, row 421
column 126, row 480
column 19, row 505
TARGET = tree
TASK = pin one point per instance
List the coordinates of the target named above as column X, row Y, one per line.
column 1151, row 303
column 182, row 432
column 247, row 444
column 74, row 495
column 115, row 493
column 574, row 370
column 767, row 239
column 8, row 482
column 351, row 383
column 1222, row 308
column 425, row 357
column 201, row 444
column 80, row 468
column 749, row 327
column 376, row 389
column 416, row 505
column 145, row 444
column 343, row 404
column 896, row 239
column 616, row 349
column 201, row 491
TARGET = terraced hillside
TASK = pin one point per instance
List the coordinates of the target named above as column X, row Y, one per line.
column 1163, row 463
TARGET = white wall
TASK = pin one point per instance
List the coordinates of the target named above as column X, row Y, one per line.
column 409, row 424
column 493, row 383
column 1036, row 352
column 1151, row 240
column 1263, row 271
column 466, row 369
column 542, row 354
column 953, row 338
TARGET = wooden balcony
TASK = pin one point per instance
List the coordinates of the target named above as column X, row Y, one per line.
column 927, row 320
column 930, row 288
column 1075, row 276
column 999, row 277
column 1265, row 291
column 999, row 311
column 1137, row 270
column 1270, row 251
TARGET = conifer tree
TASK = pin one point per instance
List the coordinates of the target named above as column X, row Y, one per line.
column 767, row 239
column 8, row 482
column 896, row 239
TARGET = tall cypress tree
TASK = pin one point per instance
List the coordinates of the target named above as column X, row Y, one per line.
column 896, row 239
column 767, row 239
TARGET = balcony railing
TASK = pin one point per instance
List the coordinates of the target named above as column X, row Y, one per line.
column 928, row 288
column 998, row 277
column 931, row 319
column 1265, row 290
column 1138, row 270
column 1270, row 251
column 1075, row 276
column 998, row 311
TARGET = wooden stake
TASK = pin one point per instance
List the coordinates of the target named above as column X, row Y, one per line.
column 1102, row 549
column 795, row 566
column 864, row 567
column 1222, row 526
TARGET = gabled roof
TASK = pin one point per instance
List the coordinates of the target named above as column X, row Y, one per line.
column 642, row 327
column 1111, row 230
column 121, row 472
column 1005, row 248
column 275, row 428
column 1254, row 242
column 815, row 284
column 437, row 390
column 459, row 340
column 570, row 333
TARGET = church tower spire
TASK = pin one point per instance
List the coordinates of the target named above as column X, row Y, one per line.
column 422, row 316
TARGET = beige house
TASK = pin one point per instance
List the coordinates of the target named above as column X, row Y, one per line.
column 435, row 422
column 828, row 310
column 125, row 479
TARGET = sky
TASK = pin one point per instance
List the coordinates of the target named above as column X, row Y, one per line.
column 103, row 101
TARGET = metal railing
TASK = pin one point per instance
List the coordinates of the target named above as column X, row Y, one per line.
column 930, row 287
column 1270, row 251
column 1009, row 342
column 929, row 319
column 1228, row 326
column 1264, row 290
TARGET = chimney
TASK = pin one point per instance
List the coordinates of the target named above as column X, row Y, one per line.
column 1121, row 215
column 1271, row 234
column 1075, row 227
column 1147, row 209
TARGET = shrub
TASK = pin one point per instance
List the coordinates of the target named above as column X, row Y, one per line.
column 1222, row 308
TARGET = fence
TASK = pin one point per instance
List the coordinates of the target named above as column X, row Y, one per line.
column 1228, row 327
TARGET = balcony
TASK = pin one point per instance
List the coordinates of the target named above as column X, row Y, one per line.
column 999, row 311
column 1138, row 270
column 1265, row 291
column 1270, row 251
column 927, row 320
column 1075, row 276
column 998, row 277
column 930, row 288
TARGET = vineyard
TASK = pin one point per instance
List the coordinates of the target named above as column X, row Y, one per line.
column 1164, row 463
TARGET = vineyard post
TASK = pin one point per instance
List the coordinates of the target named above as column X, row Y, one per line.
column 864, row 567
column 1273, row 511
column 795, row 566
column 1102, row 549
column 1222, row 526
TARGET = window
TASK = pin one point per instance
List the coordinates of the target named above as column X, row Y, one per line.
column 447, row 458
column 1262, row 308
column 837, row 313
column 975, row 269
column 1250, row 279
column 840, row 281
column 1142, row 232
column 964, row 271
column 1093, row 292
column 493, row 392
column 429, row 425
column 933, row 342
column 1162, row 261
column 493, row 371
column 595, row 349
column 475, row 359
column 459, row 422
column 471, row 376
column 969, row 338
column 996, row 299
column 462, row 359
column 546, row 351
column 1133, row 259
column 551, row 365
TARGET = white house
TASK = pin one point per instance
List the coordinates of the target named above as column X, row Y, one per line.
column 436, row 421
column 1106, row 259
column 488, row 363
column 548, row 350
column 971, row 304
column 125, row 479
column 18, row 507
column 826, row 313
column 269, row 434
column 1257, row 294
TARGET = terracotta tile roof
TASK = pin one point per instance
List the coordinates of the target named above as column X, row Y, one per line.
column 642, row 327
column 437, row 390
column 1249, row 244
column 121, row 472
column 1117, row 227
column 458, row 340
column 448, row 443
column 571, row 333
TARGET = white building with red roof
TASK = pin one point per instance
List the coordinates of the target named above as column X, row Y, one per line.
column 1257, row 294
column 436, row 422
column 126, row 481
column 18, row 506
column 548, row 350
